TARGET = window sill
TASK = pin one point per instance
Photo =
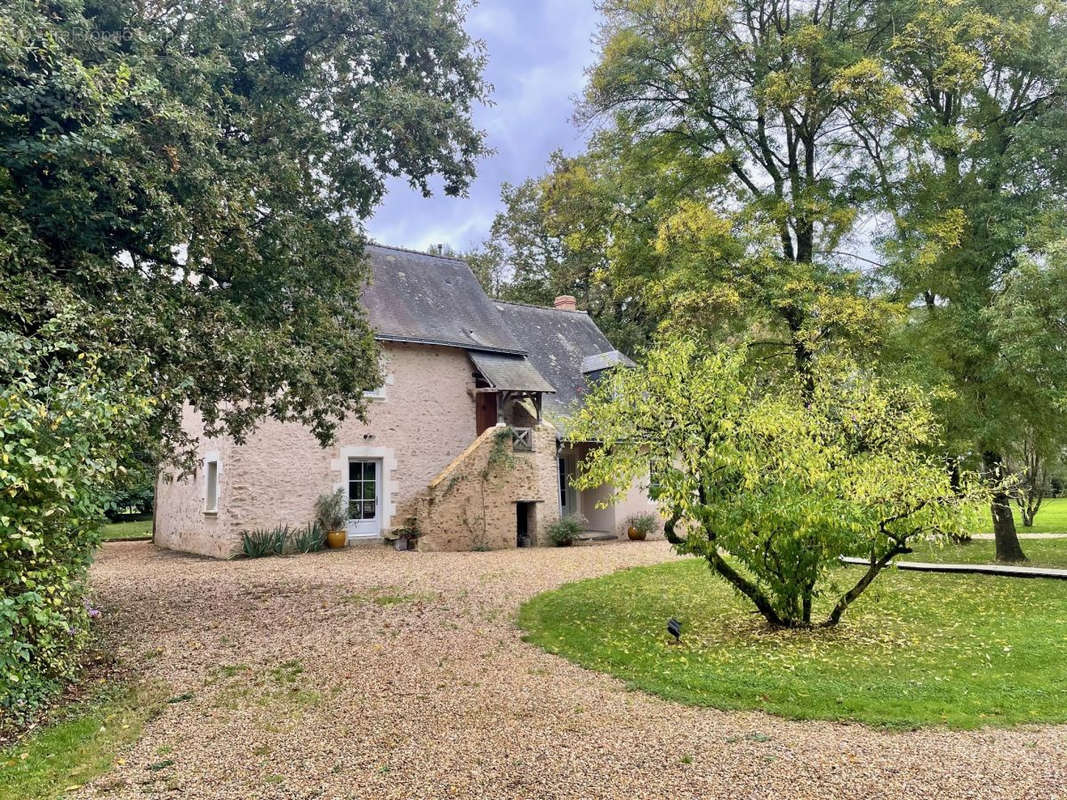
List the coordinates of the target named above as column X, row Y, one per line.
column 214, row 513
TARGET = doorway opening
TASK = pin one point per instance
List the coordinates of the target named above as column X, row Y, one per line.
column 486, row 411
column 525, row 524
column 364, row 498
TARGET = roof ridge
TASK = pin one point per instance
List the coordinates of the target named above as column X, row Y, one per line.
column 542, row 308
column 373, row 243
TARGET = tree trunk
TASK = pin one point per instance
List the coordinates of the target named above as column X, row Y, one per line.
column 738, row 581
column 875, row 567
column 952, row 464
column 1007, row 540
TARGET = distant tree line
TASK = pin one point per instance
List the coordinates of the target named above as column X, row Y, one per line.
column 880, row 181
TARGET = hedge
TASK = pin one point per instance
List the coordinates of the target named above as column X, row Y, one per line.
column 64, row 434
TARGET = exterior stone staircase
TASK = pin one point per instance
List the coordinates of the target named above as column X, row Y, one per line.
column 472, row 503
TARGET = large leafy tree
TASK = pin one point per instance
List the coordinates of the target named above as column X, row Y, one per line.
column 770, row 484
column 553, row 238
column 740, row 110
column 972, row 172
column 181, row 193
column 836, row 176
column 717, row 191
column 188, row 180
column 1028, row 320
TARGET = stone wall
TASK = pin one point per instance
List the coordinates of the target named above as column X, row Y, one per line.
column 635, row 501
column 422, row 430
column 425, row 418
column 180, row 521
column 471, row 505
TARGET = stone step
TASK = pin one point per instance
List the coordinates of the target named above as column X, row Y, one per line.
column 596, row 537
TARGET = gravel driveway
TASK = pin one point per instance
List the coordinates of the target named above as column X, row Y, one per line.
column 368, row 673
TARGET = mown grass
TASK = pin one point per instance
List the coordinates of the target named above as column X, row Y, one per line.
column 917, row 649
column 77, row 746
column 125, row 530
column 1040, row 552
column 1051, row 518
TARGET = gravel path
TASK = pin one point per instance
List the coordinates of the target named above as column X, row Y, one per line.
column 368, row 673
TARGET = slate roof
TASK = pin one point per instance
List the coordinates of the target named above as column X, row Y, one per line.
column 416, row 297
column 427, row 299
column 557, row 343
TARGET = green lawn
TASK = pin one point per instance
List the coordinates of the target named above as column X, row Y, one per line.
column 916, row 649
column 124, row 530
column 1051, row 518
column 76, row 748
column 1041, row 552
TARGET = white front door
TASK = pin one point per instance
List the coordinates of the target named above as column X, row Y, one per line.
column 364, row 499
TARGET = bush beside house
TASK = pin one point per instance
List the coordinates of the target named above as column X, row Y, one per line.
column 61, row 429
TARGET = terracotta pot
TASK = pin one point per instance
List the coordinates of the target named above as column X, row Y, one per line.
column 336, row 539
column 635, row 535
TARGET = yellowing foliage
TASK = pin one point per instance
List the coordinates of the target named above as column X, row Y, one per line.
column 771, row 486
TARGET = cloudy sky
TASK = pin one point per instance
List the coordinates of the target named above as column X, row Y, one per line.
column 538, row 51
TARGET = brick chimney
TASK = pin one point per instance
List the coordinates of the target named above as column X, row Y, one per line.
column 566, row 302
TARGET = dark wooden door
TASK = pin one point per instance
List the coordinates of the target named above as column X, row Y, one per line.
column 485, row 410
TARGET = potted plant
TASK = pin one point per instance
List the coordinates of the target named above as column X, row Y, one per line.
column 412, row 534
column 330, row 514
column 565, row 531
column 404, row 538
column 640, row 526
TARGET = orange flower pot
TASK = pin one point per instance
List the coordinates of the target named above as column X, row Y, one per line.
column 336, row 539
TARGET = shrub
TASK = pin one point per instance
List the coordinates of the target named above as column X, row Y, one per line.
column 779, row 480
column 330, row 510
column 282, row 539
column 64, row 430
column 643, row 523
column 264, row 541
column 565, row 531
column 309, row 539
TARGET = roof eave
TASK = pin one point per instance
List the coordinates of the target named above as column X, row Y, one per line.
column 391, row 337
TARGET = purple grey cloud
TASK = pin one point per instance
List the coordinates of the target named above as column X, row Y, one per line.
column 538, row 51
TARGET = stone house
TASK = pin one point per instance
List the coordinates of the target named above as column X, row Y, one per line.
column 462, row 442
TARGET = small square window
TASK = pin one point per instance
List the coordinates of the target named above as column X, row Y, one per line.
column 657, row 471
column 378, row 393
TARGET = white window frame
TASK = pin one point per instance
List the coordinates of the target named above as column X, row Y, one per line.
column 378, row 393
column 212, row 460
column 339, row 467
